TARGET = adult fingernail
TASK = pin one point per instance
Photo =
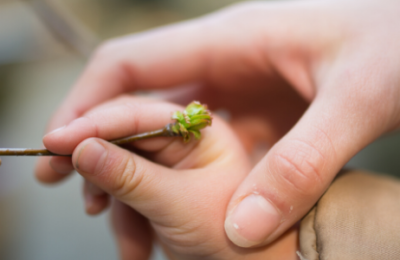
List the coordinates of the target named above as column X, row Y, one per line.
column 91, row 157
column 252, row 221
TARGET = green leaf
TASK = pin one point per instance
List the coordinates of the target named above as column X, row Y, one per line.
column 195, row 117
column 196, row 134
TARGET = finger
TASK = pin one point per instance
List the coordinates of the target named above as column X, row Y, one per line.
column 54, row 169
column 137, row 62
column 62, row 165
column 139, row 182
column 116, row 119
column 132, row 232
column 127, row 116
column 45, row 173
column 96, row 200
column 65, row 139
column 122, row 174
column 298, row 169
column 140, row 61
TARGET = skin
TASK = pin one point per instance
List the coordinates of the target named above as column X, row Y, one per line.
column 316, row 80
column 176, row 196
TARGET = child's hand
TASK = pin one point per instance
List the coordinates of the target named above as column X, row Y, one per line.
column 181, row 190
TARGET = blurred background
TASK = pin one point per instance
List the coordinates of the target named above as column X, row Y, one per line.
column 37, row 68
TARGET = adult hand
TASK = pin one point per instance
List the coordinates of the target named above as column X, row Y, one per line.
column 340, row 56
column 183, row 203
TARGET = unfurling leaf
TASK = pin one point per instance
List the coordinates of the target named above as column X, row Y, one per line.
column 195, row 117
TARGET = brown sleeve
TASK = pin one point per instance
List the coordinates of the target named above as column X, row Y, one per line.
column 357, row 218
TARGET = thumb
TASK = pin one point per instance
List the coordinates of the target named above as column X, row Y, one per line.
column 126, row 176
column 289, row 180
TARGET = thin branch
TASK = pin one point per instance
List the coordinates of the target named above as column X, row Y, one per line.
column 164, row 132
column 189, row 122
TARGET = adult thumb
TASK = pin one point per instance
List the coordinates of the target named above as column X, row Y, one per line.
column 292, row 176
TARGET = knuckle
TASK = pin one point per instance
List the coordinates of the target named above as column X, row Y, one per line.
column 301, row 168
column 128, row 179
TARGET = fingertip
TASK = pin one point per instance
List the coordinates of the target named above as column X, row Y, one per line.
column 252, row 221
column 55, row 131
column 95, row 199
column 95, row 205
column 89, row 156
column 45, row 174
column 61, row 165
column 64, row 139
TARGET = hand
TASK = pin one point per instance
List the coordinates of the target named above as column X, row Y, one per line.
column 339, row 56
column 184, row 202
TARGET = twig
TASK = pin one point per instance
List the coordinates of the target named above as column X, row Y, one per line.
column 194, row 118
column 164, row 132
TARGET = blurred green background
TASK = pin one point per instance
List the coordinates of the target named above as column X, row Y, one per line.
column 36, row 72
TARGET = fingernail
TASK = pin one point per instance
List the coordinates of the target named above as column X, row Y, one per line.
column 252, row 221
column 91, row 157
column 56, row 130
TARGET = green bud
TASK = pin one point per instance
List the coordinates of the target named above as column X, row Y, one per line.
column 195, row 117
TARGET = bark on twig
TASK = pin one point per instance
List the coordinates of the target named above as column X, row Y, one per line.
column 165, row 132
column 189, row 122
